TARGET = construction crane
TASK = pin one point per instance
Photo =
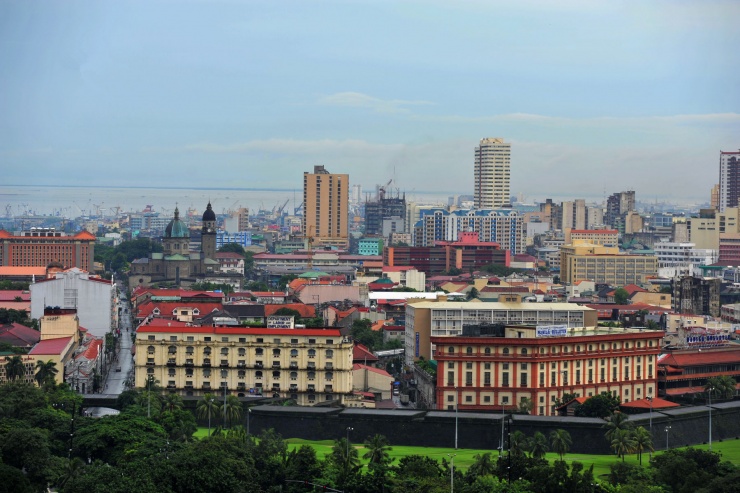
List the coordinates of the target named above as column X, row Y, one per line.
column 280, row 209
column 381, row 190
column 298, row 209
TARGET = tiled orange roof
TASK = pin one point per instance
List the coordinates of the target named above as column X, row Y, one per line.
column 7, row 270
column 305, row 311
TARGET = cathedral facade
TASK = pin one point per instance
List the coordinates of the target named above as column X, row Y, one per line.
column 177, row 265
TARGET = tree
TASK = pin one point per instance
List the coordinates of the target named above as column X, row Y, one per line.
column 472, row 294
column 232, row 247
column 723, row 386
column 377, row 450
column 643, row 441
column 46, row 373
column 538, row 446
column 483, row 465
column 617, row 422
column 207, row 408
column 517, row 443
column 621, row 296
column 525, row 405
column 172, row 402
column 14, row 368
column 560, row 441
column 232, row 409
column 622, row 442
column 598, row 406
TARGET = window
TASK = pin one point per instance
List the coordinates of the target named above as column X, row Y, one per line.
column 329, row 353
column 450, row 364
column 468, row 366
column 505, row 379
column 311, row 353
column 487, row 366
column 524, row 351
column 293, row 353
column 450, row 398
column 468, row 350
column 524, row 366
column 259, row 351
column 505, row 350
column 468, row 378
column 487, row 398
column 450, row 350
column 329, row 375
column 468, row 398
column 487, row 378
column 523, row 379
column 487, row 350
column 293, row 375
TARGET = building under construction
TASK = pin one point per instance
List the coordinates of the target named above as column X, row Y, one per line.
column 384, row 206
column 696, row 295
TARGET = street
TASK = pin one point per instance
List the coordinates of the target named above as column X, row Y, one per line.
column 116, row 381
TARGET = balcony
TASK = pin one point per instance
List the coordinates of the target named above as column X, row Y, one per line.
column 241, row 386
column 311, row 365
column 276, row 364
column 328, row 388
column 171, row 362
column 224, row 363
column 294, row 388
column 294, row 366
column 241, row 365
column 258, row 366
column 171, row 386
column 329, row 366
column 275, row 389
column 206, row 387
column 188, row 362
column 311, row 388
column 189, row 387
column 207, row 362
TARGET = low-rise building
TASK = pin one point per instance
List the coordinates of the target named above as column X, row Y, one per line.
column 686, row 372
column 310, row 366
column 604, row 265
column 501, row 367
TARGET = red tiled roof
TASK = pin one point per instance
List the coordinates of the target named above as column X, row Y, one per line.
column 19, row 335
column 394, row 327
column 167, row 307
column 505, row 289
column 358, row 366
column 305, row 311
column 7, row 270
column 16, row 305
column 164, row 322
column 11, row 295
column 398, row 268
column 50, row 346
column 701, row 357
column 362, row 353
column 92, row 350
column 327, row 332
column 269, row 294
column 229, row 255
column 658, row 403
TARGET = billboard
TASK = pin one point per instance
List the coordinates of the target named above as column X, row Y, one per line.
column 280, row 322
column 552, row 331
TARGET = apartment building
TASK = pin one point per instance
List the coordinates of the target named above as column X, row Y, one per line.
column 680, row 258
column 503, row 226
column 604, row 265
column 309, row 366
column 326, row 207
column 729, row 180
column 604, row 237
column 492, row 173
column 494, row 368
column 442, row 318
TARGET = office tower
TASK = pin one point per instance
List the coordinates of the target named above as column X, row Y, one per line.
column 729, row 179
column 617, row 205
column 326, row 207
column 492, row 173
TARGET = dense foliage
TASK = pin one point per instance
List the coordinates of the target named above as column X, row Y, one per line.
column 46, row 442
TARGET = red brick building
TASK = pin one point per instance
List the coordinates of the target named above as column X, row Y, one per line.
column 686, row 371
column 39, row 247
column 487, row 372
column 467, row 253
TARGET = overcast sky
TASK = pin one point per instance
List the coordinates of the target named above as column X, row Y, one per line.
column 594, row 96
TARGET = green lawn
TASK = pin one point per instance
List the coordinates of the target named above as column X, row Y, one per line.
column 730, row 450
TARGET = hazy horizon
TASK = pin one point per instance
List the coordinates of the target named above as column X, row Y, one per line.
column 596, row 97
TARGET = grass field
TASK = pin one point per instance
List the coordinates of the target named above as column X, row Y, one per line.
column 730, row 450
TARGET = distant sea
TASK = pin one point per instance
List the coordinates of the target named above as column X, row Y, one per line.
column 78, row 201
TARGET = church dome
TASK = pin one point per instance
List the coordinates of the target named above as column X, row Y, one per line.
column 176, row 228
column 209, row 215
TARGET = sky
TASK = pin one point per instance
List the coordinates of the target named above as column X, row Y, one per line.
column 595, row 96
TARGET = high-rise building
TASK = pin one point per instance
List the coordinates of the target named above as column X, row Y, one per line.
column 383, row 208
column 729, row 179
column 617, row 205
column 326, row 207
column 492, row 173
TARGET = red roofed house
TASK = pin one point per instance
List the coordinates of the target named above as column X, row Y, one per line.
column 19, row 336
column 646, row 405
column 304, row 311
column 361, row 354
column 686, row 371
column 176, row 310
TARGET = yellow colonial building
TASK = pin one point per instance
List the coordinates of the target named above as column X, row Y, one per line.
column 310, row 366
column 602, row 264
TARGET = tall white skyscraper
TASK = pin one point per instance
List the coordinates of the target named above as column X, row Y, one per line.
column 492, row 173
column 729, row 180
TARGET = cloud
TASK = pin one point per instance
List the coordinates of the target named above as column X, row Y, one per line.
column 360, row 100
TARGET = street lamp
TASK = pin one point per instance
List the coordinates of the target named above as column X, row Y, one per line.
column 457, row 405
column 709, row 393
column 452, row 472
column 667, row 428
column 349, row 428
column 503, row 418
column 210, row 410
column 249, row 412
column 650, row 400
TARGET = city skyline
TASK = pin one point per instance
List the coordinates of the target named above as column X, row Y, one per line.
column 594, row 97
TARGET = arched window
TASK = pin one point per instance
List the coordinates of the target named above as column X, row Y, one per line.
column 524, row 350
column 487, row 350
column 311, row 353
column 505, row 350
column 450, row 349
column 468, row 350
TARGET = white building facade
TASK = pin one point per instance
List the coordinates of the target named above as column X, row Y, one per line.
column 93, row 297
column 492, row 173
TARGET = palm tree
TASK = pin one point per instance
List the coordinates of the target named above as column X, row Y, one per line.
column 623, row 443
column 643, row 441
column 237, row 433
column 207, row 407
column 232, row 409
column 14, row 368
column 46, row 372
column 517, row 443
column 560, row 441
column 616, row 422
column 538, row 446
column 377, row 450
column 483, row 465
column 172, row 402
column 722, row 386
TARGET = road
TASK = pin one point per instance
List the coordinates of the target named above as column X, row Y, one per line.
column 115, row 382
